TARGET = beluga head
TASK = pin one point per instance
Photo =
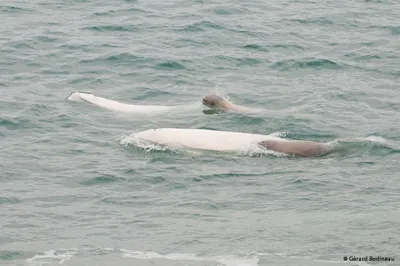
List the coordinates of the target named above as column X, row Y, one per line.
column 215, row 102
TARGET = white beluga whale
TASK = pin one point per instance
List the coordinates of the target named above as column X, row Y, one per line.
column 226, row 141
column 113, row 105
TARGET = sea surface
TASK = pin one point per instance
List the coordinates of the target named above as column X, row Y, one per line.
column 74, row 190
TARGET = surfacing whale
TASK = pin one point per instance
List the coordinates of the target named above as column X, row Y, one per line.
column 216, row 102
column 203, row 139
column 119, row 106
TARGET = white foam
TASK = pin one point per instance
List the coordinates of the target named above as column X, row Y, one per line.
column 52, row 255
column 60, row 256
column 361, row 139
column 376, row 139
column 253, row 150
column 227, row 260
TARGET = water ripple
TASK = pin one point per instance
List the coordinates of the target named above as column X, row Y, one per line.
column 105, row 28
column 15, row 9
column 120, row 59
column 306, row 63
column 201, row 27
column 169, row 66
column 321, row 21
column 101, row 179
column 9, row 255
column 9, row 200
column 120, row 12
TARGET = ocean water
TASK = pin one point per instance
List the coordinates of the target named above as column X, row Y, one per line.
column 75, row 191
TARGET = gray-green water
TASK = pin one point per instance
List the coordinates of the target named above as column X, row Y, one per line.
column 71, row 194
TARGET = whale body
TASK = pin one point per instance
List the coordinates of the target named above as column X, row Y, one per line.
column 119, row 106
column 201, row 139
column 227, row 141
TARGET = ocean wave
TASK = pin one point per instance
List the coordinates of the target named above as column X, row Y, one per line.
column 15, row 123
column 256, row 47
column 356, row 146
column 204, row 177
column 275, row 47
column 288, row 46
column 120, row 12
column 16, row 9
column 394, row 30
column 9, row 255
column 313, row 63
column 321, row 21
column 43, row 38
column 9, row 200
column 237, row 61
column 201, row 26
column 82, row 47
column 72, row 255
column 228, row 10
column 111, row 28
column 62, row 256
column 227, row 260
column 372, row 56
column 120, row 59
column 100, row 179
column 171, row 65
column 21, row 44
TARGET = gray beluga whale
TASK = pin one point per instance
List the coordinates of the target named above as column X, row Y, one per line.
column 220, row 103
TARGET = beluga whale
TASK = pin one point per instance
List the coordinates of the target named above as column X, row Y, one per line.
column 219, row 103
column 117, row 106
column 227, row 141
